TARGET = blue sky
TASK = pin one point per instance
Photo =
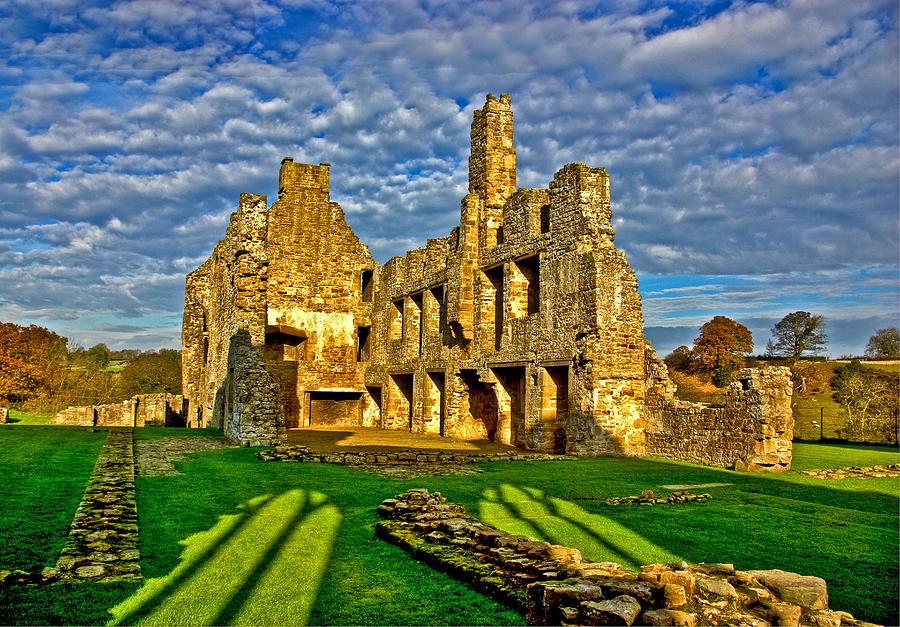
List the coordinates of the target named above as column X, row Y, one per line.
column 753, row 146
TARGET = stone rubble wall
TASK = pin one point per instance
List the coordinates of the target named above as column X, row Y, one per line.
column 753, row 431
column 554, row 585
column 251, row 398
column 138, row 411
column 292, row 453
column 103, row 538
column 856, row 472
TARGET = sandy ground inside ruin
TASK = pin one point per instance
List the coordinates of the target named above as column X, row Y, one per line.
column 363, row 439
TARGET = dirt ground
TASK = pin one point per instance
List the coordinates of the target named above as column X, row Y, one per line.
column 364, row 439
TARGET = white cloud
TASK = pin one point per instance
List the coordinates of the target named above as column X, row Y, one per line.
column 762, row 139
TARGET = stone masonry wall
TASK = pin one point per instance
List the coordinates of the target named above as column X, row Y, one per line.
column 138, row 411
column 250, row 397
column 524, row 325
column 223, row 295
column 553, row 585
column 753, row 431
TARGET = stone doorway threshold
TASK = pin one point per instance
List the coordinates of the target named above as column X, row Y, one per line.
column 331, row 439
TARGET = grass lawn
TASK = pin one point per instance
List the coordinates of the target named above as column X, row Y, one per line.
column 234, row 540
column 17, row 417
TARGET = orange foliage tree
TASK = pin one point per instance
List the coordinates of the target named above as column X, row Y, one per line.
column 723, row 344
column 31, row 362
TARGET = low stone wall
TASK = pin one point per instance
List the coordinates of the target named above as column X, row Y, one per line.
column 288, row 453
column 856, row 472
column 138, row 411
column 753, row 431
column 553, row 585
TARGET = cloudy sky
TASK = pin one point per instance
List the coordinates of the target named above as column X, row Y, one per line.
column 753, row 145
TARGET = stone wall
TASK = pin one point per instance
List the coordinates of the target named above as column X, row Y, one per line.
column 250, row 398
column 752, row 431
column 138, row 411
column 554, row 585
column 4, row 415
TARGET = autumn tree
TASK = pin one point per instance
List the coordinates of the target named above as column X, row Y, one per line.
column 31, row 362
column 885, row 344
column 797, row 333
column 722, row 347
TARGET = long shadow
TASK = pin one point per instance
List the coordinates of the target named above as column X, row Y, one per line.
column 553, row 510
column 516, row 512
column 156, row 599
column 229, row 612
column 239, row 577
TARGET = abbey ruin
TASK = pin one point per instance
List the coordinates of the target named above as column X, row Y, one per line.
column 522, row 326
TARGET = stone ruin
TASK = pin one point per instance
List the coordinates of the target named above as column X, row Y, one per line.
column 141, row 410
column 553, row 585
column 522, row 326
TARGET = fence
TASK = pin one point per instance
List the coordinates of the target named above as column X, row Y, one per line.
column 819, row 423
column 827, row 423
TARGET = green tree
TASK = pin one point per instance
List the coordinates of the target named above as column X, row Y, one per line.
column 151, row 373
column 722, row 347
column 98, row 356
column 797, row 333
column 885, row 344
column 681, row 359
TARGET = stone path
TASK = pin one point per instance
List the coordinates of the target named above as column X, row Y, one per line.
column 103, row 538
column 155, row 457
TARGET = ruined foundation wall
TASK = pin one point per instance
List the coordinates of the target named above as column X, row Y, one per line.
column 139, row 411
column 753, row 431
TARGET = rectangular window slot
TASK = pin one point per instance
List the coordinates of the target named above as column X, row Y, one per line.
column 362, row 343
column 397, row 320
column 365, row 286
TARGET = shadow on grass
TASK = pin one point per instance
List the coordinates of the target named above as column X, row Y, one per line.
column 530, row 512
column 262, row 565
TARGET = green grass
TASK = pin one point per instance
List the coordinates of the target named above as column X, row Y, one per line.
column 234, row 540
column 17, row 417
column 43, row 472
column 809, row 456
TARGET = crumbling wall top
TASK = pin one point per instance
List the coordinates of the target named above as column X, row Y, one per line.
column 297, row 176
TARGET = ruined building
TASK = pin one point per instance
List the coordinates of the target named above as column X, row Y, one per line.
column 522, row 326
